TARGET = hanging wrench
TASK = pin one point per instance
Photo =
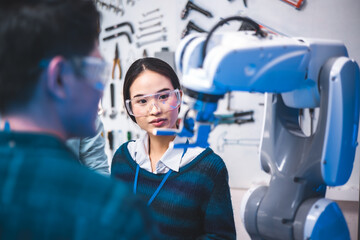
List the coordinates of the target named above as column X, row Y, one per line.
column 150, row 26
column 140, row 44
column 150, row 12
column 151, row 33
column 150, row 19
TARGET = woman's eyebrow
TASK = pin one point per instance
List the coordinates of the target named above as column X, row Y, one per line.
column 161, row 90
column 164, row 89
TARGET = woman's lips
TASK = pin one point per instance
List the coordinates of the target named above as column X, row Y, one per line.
column 158, row 122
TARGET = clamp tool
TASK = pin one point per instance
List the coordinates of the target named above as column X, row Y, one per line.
column 116, row 63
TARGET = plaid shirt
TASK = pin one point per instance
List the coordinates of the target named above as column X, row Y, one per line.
column 45, row 193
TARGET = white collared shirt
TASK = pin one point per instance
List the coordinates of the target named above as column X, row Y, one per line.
column 139, row 151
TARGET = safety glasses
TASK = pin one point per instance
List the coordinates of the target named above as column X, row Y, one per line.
column 165, row 101
column 95, row 70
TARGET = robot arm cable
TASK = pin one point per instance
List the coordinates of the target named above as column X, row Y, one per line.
column 258, row 31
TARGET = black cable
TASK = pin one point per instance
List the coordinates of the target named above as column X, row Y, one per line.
column 185, row 123
column 256, row 26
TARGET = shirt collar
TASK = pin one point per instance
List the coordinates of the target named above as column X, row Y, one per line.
column 171, row 158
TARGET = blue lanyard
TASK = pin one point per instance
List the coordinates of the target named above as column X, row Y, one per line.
column 160, row 185
column 158, row 188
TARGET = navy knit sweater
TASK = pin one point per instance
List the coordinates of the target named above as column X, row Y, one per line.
column 194, row 203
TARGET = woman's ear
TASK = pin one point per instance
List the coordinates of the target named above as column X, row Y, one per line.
column 55, row 82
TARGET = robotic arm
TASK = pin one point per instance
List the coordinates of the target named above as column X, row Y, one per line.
column 294, row 73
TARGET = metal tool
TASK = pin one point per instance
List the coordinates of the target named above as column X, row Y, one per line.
column 191, row 26
column 150, row 26
column 223, row 141
column 296, row 4
column 150, row 19
column 140, row 44
column 116, row 63
column 113, row 111
column 111, row 140
column 120, row 25
column 151, row 12
column 116, row 9
column 118, row 35
column 236, row 117
column 192, row 6
column 151, row 33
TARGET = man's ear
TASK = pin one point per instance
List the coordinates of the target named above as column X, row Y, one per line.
column 55, row 81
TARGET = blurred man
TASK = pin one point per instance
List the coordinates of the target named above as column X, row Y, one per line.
column 51, row 80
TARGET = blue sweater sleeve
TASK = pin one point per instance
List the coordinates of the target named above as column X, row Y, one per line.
column 219, row 217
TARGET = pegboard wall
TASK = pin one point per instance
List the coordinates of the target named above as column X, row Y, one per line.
column 157, row 24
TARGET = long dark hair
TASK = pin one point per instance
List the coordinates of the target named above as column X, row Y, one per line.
column 152, row 64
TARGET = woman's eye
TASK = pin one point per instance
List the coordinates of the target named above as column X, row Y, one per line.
column 141, row 101
column 164, row 96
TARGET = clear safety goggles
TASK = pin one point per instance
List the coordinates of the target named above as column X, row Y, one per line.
column 95, row 70
column 166, row 101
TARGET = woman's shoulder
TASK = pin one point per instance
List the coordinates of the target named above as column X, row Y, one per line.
column 207, row 159
column 123, row 147
column 122, row 151
column 121, row 157
column 209, row 155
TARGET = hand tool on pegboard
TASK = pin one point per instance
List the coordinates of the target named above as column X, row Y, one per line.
column 150, row 26
column 189, row 27
column 123, row 33
column 118, row 35
column 151, row 19
column 116, row 26
column 150, row 12
column 297, row 4
column 113, row 111
column 116, row 63
column 192, row 6
column 151, row 33
column 161, row 38
column 116, row 9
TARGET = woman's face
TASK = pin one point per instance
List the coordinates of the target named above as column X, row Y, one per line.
column 150, row 82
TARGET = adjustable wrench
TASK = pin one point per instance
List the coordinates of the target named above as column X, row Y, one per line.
column 150, row 26
column 140, row 44
column 151, row 19
column 151, row 33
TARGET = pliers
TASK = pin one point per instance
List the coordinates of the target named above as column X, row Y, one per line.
column 116, row 63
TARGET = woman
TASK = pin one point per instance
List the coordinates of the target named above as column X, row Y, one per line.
column 187, row 188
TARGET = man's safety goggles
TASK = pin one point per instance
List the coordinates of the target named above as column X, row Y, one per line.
column 95, row 70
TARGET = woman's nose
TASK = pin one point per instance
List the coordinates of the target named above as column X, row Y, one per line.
column 154, row 108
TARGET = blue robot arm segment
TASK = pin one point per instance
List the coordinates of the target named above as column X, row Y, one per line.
column 342, row 86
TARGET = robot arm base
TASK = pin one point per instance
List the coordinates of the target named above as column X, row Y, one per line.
column 320, row 219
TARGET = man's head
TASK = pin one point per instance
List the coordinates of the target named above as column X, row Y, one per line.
column 42, row 45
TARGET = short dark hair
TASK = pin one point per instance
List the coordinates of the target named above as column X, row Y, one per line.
column 32, row 31
column 152, row 64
